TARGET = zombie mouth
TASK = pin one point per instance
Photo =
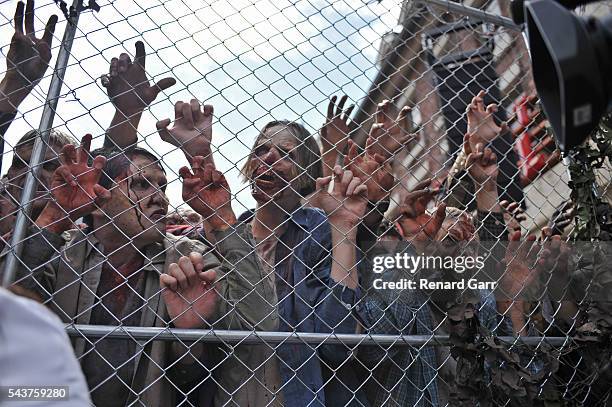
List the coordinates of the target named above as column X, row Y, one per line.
column 158, row 215
column 265, row 178
column 268, row 177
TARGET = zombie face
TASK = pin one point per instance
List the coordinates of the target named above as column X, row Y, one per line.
column 139, row 204
column 456, row 232
column 18, row 172
column 273, row 164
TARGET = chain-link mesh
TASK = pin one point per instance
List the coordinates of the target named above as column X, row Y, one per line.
column 233, row 230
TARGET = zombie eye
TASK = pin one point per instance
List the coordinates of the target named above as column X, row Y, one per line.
column 261, row 150
column 141, row 183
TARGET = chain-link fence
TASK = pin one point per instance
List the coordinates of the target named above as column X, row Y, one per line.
column 188, row 189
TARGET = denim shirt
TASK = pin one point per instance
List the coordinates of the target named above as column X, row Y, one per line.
column 309, row 300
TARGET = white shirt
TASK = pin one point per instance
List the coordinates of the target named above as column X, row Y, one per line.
column 35, row 351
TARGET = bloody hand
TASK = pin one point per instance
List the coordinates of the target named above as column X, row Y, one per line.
column 207, row 192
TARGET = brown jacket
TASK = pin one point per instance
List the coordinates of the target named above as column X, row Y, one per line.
column 67, row 268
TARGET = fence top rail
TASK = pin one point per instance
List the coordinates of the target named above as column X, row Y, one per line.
column 474, row 13
column 257, row 337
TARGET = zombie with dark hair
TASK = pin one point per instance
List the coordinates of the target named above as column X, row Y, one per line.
column 125, row 270
column 14, row 179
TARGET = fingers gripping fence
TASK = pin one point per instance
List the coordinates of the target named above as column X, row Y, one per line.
column 297, row 203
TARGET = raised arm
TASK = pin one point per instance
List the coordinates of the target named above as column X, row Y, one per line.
column 75, row 193
column 481, row 121
column 26, row 63
column 191, row 130
column 335, row 133
column 130, row 92
column 482, row 166
column 247, row 296
column 345, row 204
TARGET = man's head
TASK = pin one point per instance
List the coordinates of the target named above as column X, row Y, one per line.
column 17, row 172
column 283, row 164
column 138, row 205
column 456, row 232
column 458, row 226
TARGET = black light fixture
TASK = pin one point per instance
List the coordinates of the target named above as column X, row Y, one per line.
column 572, row 66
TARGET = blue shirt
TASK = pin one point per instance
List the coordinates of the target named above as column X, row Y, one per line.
column 309, row 300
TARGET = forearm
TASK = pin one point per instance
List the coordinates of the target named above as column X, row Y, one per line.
column 514, row 310
column 487, row 197
column 248, row 296
column 344, row 257
column 330, row 157
column 54, row 219
column 123, row 130
column 35, row 271
column 196, row 147
column 12, row 93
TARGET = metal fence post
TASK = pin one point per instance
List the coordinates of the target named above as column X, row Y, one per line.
column 40, row 145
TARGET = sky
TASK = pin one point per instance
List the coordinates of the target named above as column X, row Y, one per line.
column 253, row 60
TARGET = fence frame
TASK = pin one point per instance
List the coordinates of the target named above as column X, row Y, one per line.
column 40, row 144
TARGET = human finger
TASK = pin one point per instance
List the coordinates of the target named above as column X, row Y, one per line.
column 29, row 18
column 162, row 129
column 124, row 63
column 64, row 172
column 50, row 30
column 114, row 66
column 141, row 55
column 167, row 281
column 185, row 173
column 340, row 107
column 189, row 270
column 347, row 114
column 353, row 183
column 178, row 110
column 175, row 271
column 68, row 154
column 163, row 84
column 467, row 148
column 187, row 116
column 18, row 19
column 196, row 111
column 83, row 151
column 323, row 182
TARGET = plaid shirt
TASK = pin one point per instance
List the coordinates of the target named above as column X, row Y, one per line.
column 407, row 375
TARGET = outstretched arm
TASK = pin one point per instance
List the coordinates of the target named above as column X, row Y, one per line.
column 344, row 203
column 335, row 133
column 191, row 130
column 130, row 92
column 247, row 296
column 482, row 166
column 26, row 63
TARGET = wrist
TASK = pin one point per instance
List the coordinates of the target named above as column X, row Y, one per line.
column 222, row 220
column 487, row 197
column 129, row 113
column 343, row 232
column 12, row 93
column 54, row 219
column 195, row 148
